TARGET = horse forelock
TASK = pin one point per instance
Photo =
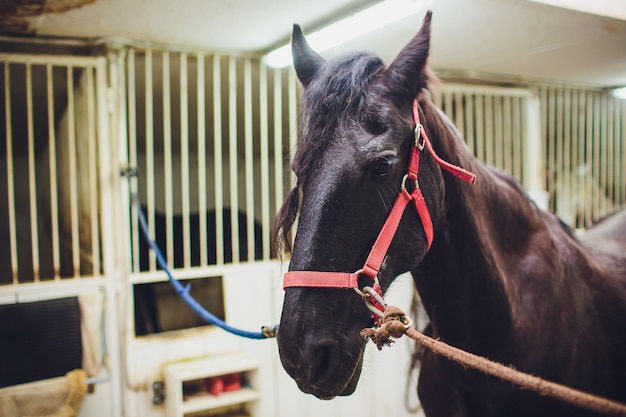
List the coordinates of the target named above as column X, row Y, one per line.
column 335, row 96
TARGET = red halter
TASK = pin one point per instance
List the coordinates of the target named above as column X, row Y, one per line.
column 373, row 295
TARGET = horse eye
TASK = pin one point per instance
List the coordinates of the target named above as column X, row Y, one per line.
column 383, row 166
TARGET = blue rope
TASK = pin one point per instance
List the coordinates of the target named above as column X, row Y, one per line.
column 183, row 291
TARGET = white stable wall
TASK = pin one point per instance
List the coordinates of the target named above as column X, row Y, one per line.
column 253, row 297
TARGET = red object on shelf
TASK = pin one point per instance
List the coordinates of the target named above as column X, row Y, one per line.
column 224, row 383
column 232, row 382
column 215, row 386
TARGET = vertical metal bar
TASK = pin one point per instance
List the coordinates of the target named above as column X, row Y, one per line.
column 573, row 127
column 573, row 148
column 480, row 128
column 614, row 161
column 93, row 175
column 109, row 178
column 217, row 157
column 558, row 141
column 498, row 132
column 32, row 173
column 520, row 127
column 610, row 152
column 167, row 156
column 249, row 159
column 489, row 130
column 500, row 136
column 565, row 139
column 71, row 125
column 550, row 131
column 278, row 140
column 507, row 135
column 132, row 150
column 233, row 157
column 622, row 175
column 150, row 187
column 543, row 109
column 120, row 152
column 10, row 172
column 52, row 159
column 470, row 137
column 580, row 114
column 202, row 204
column 265, row 169
column 620, row 149
column 293, row 131
column 184, row 159
column 546, row 137
column 596, row 153
column 459, row 110
column 533, row 174
column 599, row 163
column 604, row 154
column 589, row 157
column 516, row 147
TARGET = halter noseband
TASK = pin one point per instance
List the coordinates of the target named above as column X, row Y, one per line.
column 373, row 295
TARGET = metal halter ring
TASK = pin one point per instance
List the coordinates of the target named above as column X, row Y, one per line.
column 405, row 178
column 358, row 290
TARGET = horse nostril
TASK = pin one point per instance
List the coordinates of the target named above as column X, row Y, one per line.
column 322, row 361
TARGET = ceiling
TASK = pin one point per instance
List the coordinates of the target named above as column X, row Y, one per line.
column 515, row 40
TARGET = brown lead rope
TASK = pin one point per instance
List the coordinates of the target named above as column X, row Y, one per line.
column 396, row 324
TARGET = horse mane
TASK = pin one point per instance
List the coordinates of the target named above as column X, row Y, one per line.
column 333, row 98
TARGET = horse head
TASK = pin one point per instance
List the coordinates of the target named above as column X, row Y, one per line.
column 356, row 132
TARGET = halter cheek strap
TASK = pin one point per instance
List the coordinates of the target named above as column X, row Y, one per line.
column 373, row 295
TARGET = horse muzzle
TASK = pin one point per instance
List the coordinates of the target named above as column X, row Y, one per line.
column 321, row 367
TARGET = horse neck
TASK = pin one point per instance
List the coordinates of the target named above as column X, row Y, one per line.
column 464, row 280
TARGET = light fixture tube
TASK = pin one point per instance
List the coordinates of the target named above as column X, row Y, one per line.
column 368, row 20
column 619, row 93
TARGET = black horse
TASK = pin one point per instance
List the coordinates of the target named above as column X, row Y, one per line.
column 502, row 278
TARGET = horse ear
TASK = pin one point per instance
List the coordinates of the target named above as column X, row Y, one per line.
column 407, row 73
column 305, row 60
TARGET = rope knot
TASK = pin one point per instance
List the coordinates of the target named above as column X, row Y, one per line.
column 394, row 324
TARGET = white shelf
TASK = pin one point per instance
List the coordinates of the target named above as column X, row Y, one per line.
column 211, row 366
column 209, row 402
column 197, row 369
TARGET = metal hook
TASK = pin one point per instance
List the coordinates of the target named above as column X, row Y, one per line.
column 369, row 292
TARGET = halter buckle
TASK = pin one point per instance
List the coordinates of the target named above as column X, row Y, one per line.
column 419, row 139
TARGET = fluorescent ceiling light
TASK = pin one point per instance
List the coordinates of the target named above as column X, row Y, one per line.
column 615, row 9
column 619, row 93
column 368, row 20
